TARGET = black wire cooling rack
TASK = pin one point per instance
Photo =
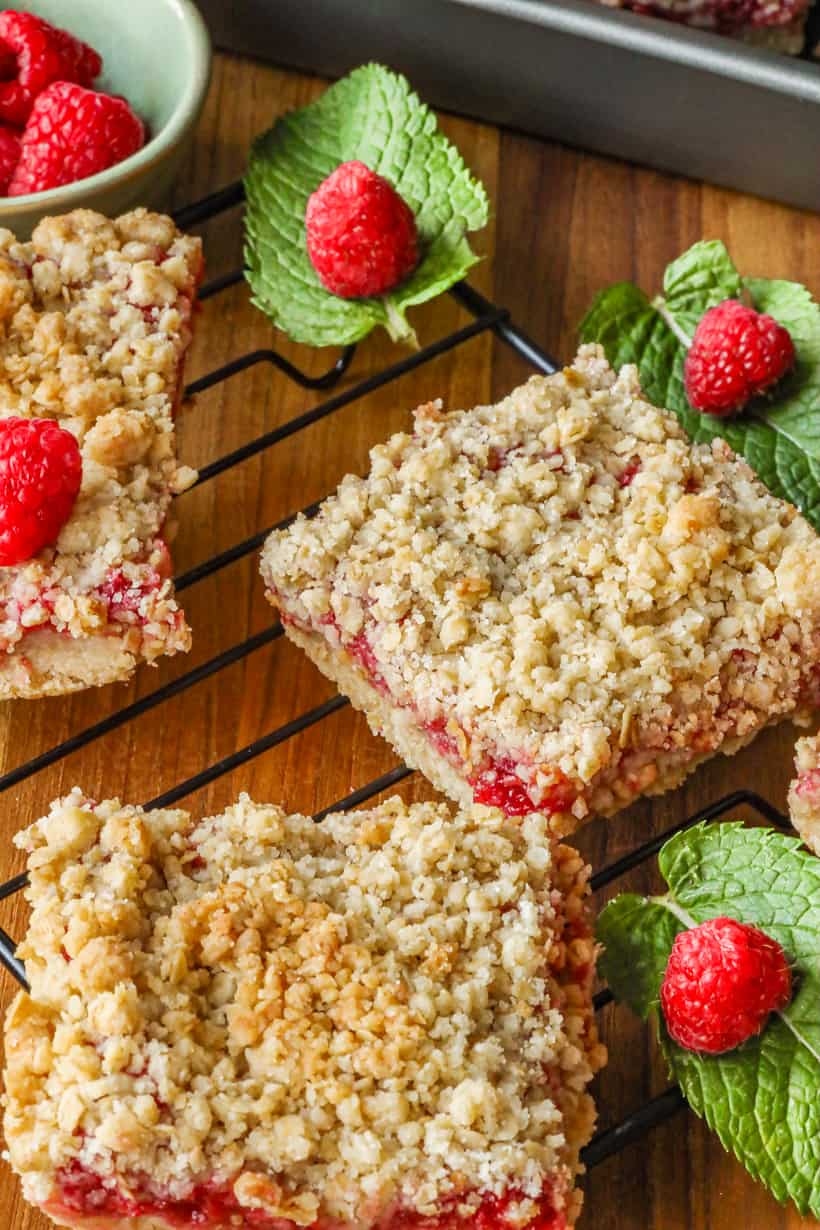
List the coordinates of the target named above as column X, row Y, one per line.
column 486, row 318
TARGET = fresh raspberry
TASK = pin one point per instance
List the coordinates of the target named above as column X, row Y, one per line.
column 361, row 236
column 9, row 156
column 723, row 980
column 33, row 54
column 8, row 63
column 736, row 354
column 73, row 133
column 40, row 474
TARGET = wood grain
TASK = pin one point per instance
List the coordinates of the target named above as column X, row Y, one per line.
column 566, row 223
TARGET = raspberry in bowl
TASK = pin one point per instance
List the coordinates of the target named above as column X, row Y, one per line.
column 130, row 84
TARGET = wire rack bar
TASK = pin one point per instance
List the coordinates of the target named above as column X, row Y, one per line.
column 365, row 793
column 209, row 206
column 215, row 286
column 485, row 321
column 715, row 810
column 244, row 754
column 13, row 886
column 505, row 330
column 237, row 551
column 487, row 317
column 10, row 961
column 633, row 1127
column 255, row 357
column 235, row 654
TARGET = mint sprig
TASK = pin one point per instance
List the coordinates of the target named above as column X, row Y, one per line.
column 778, row 436
column 371, row 115
column 762, row 1099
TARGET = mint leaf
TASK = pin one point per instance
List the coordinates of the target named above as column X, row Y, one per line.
column 701, row 278
column 637, row 936
column 760, row 1099
column 796, row 413
column 371, row 115
column 779, row 438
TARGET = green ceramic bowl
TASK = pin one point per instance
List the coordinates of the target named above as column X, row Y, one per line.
column 157, row 54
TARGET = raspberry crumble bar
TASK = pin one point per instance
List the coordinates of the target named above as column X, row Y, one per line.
column 779, row 25
column 557, row 603
column 804, row 793
column 96, row 320
column 254, row 1021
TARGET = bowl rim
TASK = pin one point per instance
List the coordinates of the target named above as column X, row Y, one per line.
column 190, row 101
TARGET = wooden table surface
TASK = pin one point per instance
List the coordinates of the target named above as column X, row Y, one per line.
column 565, row 224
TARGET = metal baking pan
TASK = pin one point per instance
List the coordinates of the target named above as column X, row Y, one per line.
column 630, row 86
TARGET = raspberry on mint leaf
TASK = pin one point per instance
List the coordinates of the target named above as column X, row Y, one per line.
column 329, row 283
column 736, row 354
column 723, row 981
column 41, row 471
column 741, row 1035
column 361, row 235
column 73, row 133
column 33, row 55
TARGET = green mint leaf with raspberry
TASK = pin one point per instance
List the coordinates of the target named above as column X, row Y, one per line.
column 779, row 435
column 761, row 1099
column 372, row 116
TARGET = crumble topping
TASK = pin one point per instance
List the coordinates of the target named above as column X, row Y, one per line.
column 390, row 1007
column 94, row 325
column 804, row 792
column 564, row 582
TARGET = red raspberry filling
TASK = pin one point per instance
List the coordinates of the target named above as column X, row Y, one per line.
column 628, row 473
column 206, row 1207
column 125, row 598
column 360, row 649
column 441, row 739
column 212, row 1208
column 499, row 785
column 808, row 785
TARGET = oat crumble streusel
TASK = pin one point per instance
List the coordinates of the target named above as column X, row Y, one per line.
column 318, row 1023
column 557, row 601
column 95, row 320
